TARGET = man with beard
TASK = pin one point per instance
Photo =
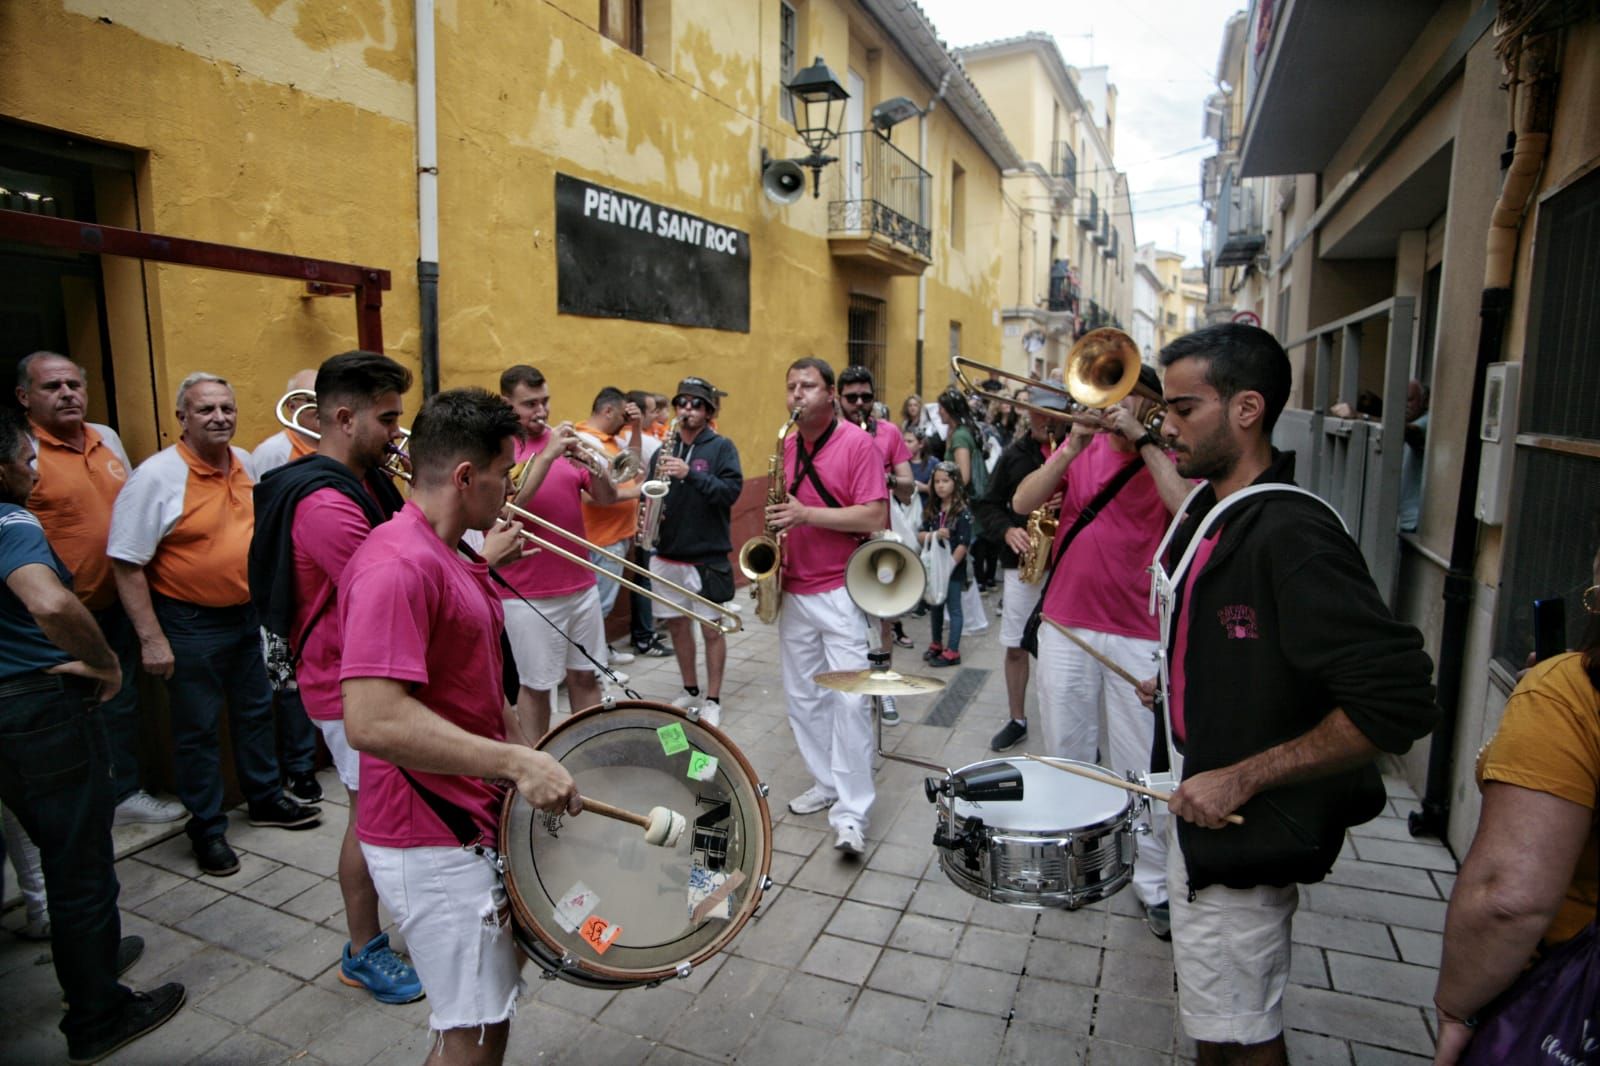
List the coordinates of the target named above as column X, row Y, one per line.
column 693, row 539
column 423, row 704
column 180, row 537
column 549, row 638
column 311, row 516
column 1275, row 630
column 1096, row 607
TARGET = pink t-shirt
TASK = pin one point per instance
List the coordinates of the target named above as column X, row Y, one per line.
column 415, row 611
column 1103, row 584
column 545, row 575
column 892, row 443
column 1180, row 643
column 851, row 466
column 328, row 528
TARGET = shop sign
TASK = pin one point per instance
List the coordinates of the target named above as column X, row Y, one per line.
column 621, row 256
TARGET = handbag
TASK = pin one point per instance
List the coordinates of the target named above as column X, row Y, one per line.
column 1030, row 631
column 937, row 562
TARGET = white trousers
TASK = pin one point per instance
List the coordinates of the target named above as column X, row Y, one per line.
column 1075, row 692
column 818, row 633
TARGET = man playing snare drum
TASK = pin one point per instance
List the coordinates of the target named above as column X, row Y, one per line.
column 421, row 680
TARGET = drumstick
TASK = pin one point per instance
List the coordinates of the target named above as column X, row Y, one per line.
column 661, row 826
column 1101, row 659
column 1108, row 779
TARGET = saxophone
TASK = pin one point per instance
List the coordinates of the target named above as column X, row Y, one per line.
column 1042, row 525
column 761, row 557
column 654, row 494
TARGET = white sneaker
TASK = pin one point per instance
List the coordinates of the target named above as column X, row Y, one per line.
column 621, row 658
column 143, row 807
column 621, row 677
column 811, row 801
column 686, row 702
column 850, row 841
column 711, row 712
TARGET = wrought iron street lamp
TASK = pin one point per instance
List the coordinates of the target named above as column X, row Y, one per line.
column 818, row 113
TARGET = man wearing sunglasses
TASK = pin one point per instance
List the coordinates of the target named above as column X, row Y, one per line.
column 694, row 538
column 856, row 395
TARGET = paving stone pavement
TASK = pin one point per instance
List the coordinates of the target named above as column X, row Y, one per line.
column 878, row 961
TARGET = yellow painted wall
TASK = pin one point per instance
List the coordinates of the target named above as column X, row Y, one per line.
column 288, row 125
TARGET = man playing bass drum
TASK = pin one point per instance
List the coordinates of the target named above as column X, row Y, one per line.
column 693, row 539
column 835, row 495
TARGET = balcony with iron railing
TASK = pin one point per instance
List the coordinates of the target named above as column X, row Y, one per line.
column 1089, row 213
column 1240, row 233
column 878, row 206
column 1102, row 235
column 1064, row 290
column 1064, row 163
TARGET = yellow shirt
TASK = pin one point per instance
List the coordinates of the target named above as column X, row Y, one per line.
column 1549, row 741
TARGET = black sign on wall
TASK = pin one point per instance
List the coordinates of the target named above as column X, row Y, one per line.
column 618, row 256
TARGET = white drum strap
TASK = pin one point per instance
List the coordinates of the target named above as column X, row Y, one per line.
column 1164, row 585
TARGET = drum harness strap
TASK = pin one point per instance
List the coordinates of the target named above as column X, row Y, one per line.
column 454, row 818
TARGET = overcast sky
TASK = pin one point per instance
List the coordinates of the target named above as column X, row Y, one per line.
column 1162, row 55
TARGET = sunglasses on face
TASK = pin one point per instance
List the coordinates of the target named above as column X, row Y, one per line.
column 856, row 397
column 691, row 402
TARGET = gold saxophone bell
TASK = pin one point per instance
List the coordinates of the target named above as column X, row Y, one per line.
column 761, row 557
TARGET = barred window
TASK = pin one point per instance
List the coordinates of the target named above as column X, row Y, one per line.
column 1554, row 528
column 788, row 37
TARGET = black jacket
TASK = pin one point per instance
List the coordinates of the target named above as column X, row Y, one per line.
column 277, row 496
column 699, row 506
column 1285, row 625
column 993, row 512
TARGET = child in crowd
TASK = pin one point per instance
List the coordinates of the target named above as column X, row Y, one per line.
column 922, row 465
column 948, row 519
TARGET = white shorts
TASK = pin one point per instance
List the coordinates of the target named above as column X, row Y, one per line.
column 1016, row 604
column 1230, row 947
column 346, row 759
column 452, row 910
column 543, row 658
column 685, row 574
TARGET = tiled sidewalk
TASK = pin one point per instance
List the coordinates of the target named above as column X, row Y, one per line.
column 881, row 961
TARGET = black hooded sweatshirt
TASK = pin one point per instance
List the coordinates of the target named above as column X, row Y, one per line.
column 1284, row 625
column 695, row 527
column 277, row 496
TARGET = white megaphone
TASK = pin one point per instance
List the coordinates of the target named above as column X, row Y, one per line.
column 885, row 575
column 781, row 179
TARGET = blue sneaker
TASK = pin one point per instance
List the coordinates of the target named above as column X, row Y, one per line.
column 380, row 971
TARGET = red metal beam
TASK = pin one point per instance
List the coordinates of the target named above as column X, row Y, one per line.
column 369, row 283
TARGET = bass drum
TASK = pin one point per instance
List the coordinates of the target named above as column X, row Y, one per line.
column 591, row 902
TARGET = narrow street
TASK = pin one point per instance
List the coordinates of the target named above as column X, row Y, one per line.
column 881, row 961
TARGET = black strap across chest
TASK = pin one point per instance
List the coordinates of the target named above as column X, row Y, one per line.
column 804, row 465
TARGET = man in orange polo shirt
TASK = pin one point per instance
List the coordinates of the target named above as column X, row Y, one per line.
column 82, row 466
column 179, row 545
column 612, row 526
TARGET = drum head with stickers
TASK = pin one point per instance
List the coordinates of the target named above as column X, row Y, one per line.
column 594, row 903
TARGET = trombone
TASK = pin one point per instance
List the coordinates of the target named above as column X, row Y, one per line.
column 1102, row 369
column 728, row 620
column 397, row 463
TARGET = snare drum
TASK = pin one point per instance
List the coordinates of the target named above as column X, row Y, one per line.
column 1069, row 841
column 591, row 902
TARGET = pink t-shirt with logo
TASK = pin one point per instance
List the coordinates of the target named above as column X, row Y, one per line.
column 328, row 527
column 851, row 466
column 415, row 611
column 545, row 575
column 1103, row 584
column 892, row 443
column 1180, row 643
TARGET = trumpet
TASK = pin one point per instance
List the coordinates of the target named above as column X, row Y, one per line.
column 396, row 463
column 1102, row 369
column 726, row 618
column 624, row 466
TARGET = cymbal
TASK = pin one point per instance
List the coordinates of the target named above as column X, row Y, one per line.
column 879, row 683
